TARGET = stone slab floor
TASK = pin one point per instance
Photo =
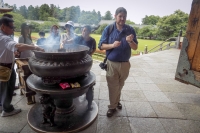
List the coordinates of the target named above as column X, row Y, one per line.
column 153, row 102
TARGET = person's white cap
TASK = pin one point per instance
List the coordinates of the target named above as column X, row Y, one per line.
column 70, row 23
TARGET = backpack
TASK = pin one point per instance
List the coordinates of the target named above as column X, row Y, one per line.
column 111, row 27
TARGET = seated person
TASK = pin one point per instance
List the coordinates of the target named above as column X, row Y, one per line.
column 42, row 38
column 86, row 39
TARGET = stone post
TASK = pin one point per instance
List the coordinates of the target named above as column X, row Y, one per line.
column 145, row 49
column 178, row 39
column 161, row 46
column 168, row 46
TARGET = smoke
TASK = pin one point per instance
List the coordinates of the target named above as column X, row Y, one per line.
column 52, row 42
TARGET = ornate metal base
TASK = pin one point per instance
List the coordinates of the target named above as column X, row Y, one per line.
column 78, row 120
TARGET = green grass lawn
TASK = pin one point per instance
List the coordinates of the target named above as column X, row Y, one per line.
column 141, row 42
column 37, row 35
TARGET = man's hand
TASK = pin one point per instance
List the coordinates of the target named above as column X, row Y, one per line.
column 39, row 49
column 17, row 54
column 116, row 44
column 130, row 38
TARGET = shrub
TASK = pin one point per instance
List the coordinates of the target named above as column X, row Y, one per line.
column 35, row 26
column 100, row 29
column 78, row 31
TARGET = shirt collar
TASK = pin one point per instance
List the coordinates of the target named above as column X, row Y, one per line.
column 115, row 27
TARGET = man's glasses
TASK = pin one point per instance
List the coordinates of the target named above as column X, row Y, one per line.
column 11, row 27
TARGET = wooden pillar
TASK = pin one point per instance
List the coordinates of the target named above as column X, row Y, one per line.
column 193, row 36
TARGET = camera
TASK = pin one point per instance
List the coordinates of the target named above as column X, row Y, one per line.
column 103, row 66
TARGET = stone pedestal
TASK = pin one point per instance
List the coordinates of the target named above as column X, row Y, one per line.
column 75, row 111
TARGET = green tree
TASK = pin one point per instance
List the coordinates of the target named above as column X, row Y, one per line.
column 148, row 31
column 36, row 13
column 54, row 11
column 108, row 16
column 73, row 13
column 31, row 12
column 129, row 22
column 35, row 26
column 169, row 26
column 99, row 16
column 23, row 11
column 44, row 12
column 137, row 29
column 62, row 14
column 48, row 24
column 150, row 20
column 15, row 8
column 88, row 17
column 100, row 29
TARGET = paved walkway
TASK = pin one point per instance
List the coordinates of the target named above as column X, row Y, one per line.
column 152, row 101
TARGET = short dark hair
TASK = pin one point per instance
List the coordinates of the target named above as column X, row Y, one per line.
column 119, row 10
column 8, row 15
column 41, row 33
column 6, row 21
column 88, row 28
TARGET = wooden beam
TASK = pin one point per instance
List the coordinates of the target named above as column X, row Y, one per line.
column 193, row 29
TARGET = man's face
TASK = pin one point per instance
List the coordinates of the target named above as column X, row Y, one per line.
column 120, row 18
column 8, row 29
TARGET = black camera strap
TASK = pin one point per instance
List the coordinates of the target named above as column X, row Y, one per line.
column 104, row 61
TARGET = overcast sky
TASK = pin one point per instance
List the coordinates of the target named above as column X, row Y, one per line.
column 137, row 9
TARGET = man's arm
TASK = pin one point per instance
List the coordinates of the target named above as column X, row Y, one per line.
column 132, row 40
column 133, row 45
column 22, row 47
column 110, row 46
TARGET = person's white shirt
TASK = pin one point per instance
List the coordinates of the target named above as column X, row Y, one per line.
column 7, row 48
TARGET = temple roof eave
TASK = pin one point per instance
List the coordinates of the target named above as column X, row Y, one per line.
column 5, row 9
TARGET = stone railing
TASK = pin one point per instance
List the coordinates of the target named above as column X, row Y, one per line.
column 170, row 44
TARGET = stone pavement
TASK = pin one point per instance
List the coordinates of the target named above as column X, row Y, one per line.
column 152, row 101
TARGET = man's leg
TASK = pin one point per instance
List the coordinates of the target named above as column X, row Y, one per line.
column 6, row 92
column 112, row 77
column 7, row 89
column 124, row 72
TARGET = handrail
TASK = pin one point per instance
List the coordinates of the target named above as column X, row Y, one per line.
column 167, row 46
column 160, row 44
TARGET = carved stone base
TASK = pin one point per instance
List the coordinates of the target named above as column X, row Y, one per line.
column 76, row 121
